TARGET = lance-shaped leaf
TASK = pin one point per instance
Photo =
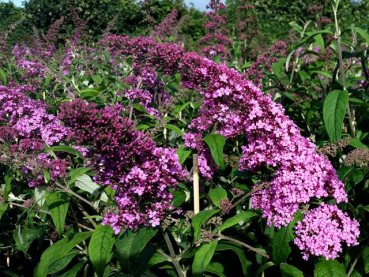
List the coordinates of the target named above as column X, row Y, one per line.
column 57, row 251
column 202, row 258
column 217, row 194
column 58, row 203
column 200, row 219
column 216, row 144
column 99, row 249
column 290, row 271
column 183, row 154
column 236, row 219
column 329, row 268
column 334, row 110
column 131, row 245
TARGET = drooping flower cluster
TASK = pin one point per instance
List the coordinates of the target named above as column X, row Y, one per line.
column 236, row 106
column 323, row 230
column 139, row 172
column 29, row 117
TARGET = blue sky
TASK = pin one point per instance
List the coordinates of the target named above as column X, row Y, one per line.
column 199, row 4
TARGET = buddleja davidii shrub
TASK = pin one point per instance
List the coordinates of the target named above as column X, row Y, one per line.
column 224, row 92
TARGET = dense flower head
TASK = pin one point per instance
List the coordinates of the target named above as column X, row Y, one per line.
column 140, row 172
column 323, row 230
column 29, row 117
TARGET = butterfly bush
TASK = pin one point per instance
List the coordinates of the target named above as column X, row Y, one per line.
column 128, row 160
column 142, row 173
column 236, row 106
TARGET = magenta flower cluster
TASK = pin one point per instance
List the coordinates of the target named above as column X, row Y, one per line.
column 235, row 106
column 27, row 120
column 29, row 117
column 140, row 172
column 323, row 230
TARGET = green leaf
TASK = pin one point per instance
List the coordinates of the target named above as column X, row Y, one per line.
column 323, row 73
column 183, row 154
column 58, row 203
column 77, row 173
column 159, row 40
column 47, row 177
column 175, row 129
column 97, row 79
column 57, row 251
column 100, row 247
column 179, row 196
column 200, row 219
column 84, row 182
column 320, row 41
column 358, row 101
column 344, row 171
column 329, row 268
column 236, row 219
column 89, row 93
column 290, row 271
column 354, row 142
column 73, row 271
column 202, row 258
column 334, row 110
column 217, row 194
column 246, row 264
column 309, row 36
column 142, row 127
column 4, row 77
column 156, row 259
column 215, row 268
column 3, row 208
column 278, row 67
column 40, row 193
column 131, row 244
column 61, row 263
column 216, row 143
column 263, row 268
column 366, row 259
column 67, row 149
column 281, row 245
column 360, row 31
column 8, row 186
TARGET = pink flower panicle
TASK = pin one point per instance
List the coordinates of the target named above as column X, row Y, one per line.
column 323, row 230
column 140, row 172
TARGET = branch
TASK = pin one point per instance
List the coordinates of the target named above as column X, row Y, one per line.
column 173, row 255
column 243, row 244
